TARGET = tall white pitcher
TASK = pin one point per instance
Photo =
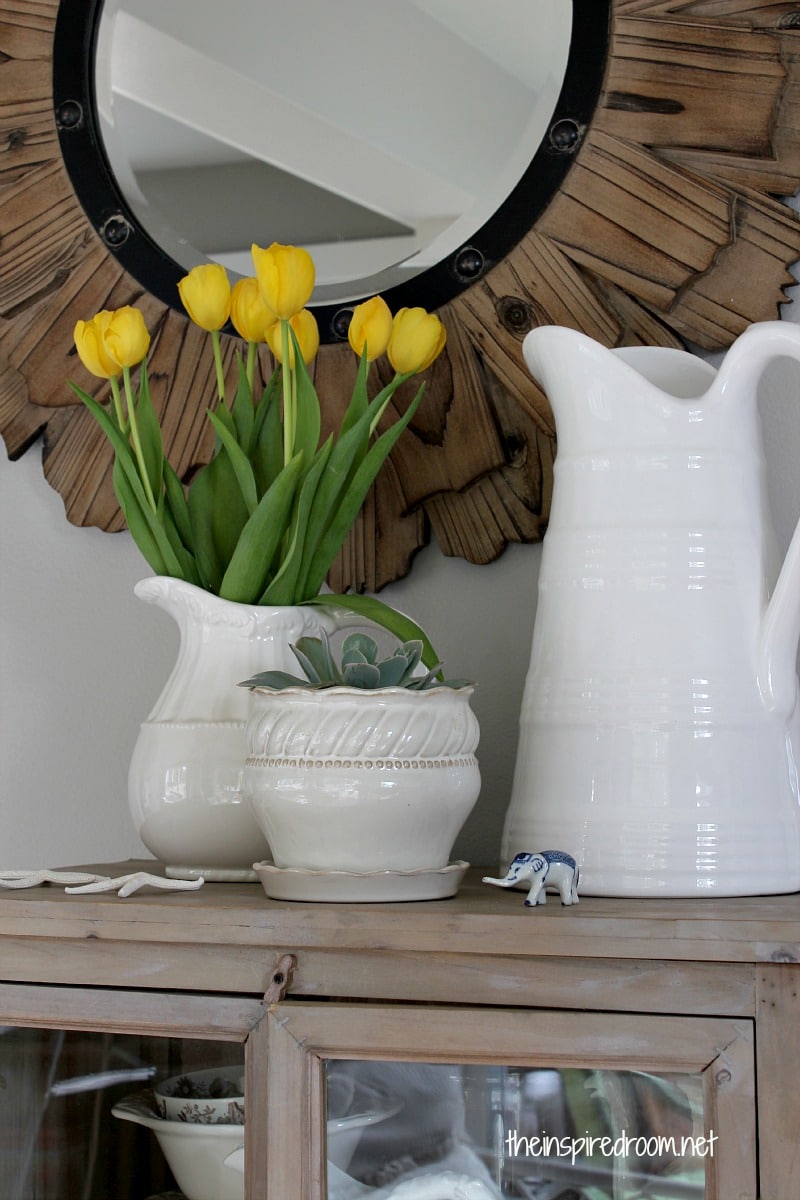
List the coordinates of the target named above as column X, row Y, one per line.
column 660, row 732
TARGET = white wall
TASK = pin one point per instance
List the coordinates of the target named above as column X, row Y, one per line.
column 81, row 660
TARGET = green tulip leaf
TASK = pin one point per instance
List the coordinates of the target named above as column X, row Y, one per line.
column 189, row 570
column 308, row 417
column 246, row 574
column 175, row 498
column 383, row 397
column 243, row 410
column 218, row 514
column 359, row 400
column 137, row 523
column 283, row 587
column 266, row 453
column 133, row 495
column 150, row 435
column 346, row 457
column 239, row 461
column 225, row 417
column 348, row 508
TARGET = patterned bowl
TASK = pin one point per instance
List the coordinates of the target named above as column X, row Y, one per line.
column 211, row 1097
column 208, row 1160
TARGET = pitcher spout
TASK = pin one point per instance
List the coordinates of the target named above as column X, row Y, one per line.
column 621, row 396
column 564, row 363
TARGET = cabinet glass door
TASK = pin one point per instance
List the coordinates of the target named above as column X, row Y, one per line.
column 123, row 1095
column 537, row 1133
column 432, row 1103
column 80, row 1117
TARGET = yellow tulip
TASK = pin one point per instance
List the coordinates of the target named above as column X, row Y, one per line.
column 418, row 337
column 250, row 315
column 306, row 331
column 286, row 277
column 370, row 325
column 206, row 295
column 125, row 337
column 90, row 344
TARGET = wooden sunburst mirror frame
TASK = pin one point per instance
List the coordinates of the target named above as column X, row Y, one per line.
column 668, row 227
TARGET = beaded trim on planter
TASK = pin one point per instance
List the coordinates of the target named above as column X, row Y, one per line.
column 466, row 760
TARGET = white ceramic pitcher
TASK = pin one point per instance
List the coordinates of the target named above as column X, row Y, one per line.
column 660, row 732
column 186, row 773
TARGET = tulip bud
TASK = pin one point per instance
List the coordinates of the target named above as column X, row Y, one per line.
column 90, row 344
column 250, row 315
column 125, row 337
column 206, row 295
column 306, row 331
column 370, row 326
column 285, row 276
column 418, row 337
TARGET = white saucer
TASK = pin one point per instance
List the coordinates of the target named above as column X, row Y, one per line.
column 211, row 874
column 296, row 883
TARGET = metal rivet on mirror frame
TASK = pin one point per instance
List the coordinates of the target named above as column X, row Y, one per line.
column 115, row 230
column 340, row 323
column 69, row 115
column 565, row 136
column 468, row 263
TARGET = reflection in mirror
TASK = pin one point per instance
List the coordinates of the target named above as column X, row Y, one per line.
column 382, row 145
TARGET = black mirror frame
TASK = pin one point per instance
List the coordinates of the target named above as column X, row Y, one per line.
column 112, row 218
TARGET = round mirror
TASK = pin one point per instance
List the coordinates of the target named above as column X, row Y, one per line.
column 410, row 143
column 396, row 133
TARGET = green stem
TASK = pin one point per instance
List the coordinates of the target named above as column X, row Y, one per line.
column 117, row 401
column 390, row 390
column 218, row 364
column 288, row 399
column 135, row 439
column 250, row 366
column 294, row 407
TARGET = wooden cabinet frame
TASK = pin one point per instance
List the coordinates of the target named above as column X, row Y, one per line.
column 301, row 1037
column 158, row 1014
column 708, row 985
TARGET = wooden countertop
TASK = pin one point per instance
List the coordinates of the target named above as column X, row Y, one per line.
column 480, row 920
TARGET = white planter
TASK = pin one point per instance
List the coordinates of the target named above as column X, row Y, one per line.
column 343, row 779
column 185, row 778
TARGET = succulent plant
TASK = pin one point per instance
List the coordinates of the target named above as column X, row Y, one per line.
column 359, row 667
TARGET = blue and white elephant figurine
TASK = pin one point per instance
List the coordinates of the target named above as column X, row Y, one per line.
column 540, row 871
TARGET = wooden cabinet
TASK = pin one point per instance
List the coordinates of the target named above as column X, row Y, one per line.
column 702, row 990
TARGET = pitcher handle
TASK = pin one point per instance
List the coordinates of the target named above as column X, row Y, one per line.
column 752, row 352
column 780, row 634
column 780, row 624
